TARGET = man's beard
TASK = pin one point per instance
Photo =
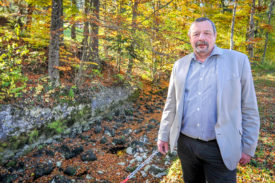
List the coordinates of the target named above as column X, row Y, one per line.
column 202, row 50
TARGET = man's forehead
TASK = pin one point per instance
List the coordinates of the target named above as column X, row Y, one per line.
column 199, row 26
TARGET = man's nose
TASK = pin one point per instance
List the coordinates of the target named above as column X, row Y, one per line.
column 202, row 36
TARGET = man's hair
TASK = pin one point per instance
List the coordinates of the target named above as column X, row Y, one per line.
column 202, row 19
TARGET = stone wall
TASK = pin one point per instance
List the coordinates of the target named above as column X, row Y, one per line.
column 23, row 128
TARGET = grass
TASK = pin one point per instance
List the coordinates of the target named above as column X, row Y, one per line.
column 261, row 168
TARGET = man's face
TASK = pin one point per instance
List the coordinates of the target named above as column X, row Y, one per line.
column 202, row 38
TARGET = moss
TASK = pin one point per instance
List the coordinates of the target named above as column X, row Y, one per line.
column 33, row 136
column 134, row 96
column 11, row 163
column 4, row 144
column 55, row 127
column 18, row 142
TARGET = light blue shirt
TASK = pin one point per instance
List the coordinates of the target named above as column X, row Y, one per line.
column 200, row 99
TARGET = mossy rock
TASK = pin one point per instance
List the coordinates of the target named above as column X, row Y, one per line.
column 4, row 145
column 134, row 96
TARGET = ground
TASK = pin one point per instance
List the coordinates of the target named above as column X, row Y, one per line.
column 111, row 166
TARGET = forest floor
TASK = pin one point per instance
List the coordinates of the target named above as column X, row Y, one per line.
column 112, row 166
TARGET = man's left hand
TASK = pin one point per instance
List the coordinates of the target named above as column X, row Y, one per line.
column 245, row 159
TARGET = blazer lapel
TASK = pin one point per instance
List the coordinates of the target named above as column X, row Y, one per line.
column 220, row 81
column 181, row 77
column 183, row 71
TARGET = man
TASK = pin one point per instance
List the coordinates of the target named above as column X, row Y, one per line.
column 211, row 110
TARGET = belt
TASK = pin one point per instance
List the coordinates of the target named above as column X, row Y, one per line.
column 203, row 141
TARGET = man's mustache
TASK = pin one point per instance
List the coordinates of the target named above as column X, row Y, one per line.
column 201, row 43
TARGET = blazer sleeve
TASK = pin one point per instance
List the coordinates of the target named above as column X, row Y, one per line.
column 169, row 110
column 250, row 114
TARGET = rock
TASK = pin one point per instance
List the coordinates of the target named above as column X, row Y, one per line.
column 130, row 168
column 100, row 172
column 144, row 174
column 103, row 140
column 88, row 156
column 117, row 112
column 43, row 169
column 129, row 150
column 88, row 177
column 8, row 178
column 138, row 158
column 68, row 153
column 153, row 120
column 78, row 150
column 155, row 170
column 49, row 152
column 132, row 161
column 128, row 112
column 97, row 129
column 127, row 131
column 150, row 127
column 60, row 179
column 121, row 163
column 144, row 139
column 147, row 167
column 159, row 175
column 70, row 171
column 137, row 131
column 109, row 132
column 58, row 164
column 120, row 141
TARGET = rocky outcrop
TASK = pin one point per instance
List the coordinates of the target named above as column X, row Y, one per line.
column 25, row 127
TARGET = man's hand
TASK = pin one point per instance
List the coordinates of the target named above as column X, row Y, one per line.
column 162, row 147
column 245, row 159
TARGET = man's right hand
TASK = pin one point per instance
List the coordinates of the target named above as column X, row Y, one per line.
column 162, row 147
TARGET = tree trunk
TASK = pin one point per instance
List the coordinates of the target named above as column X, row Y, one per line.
column 105, row 47
column 133, row 42
column 94, row 31
column 29, row 16
column 119, row 37
column 251, row 31
column 85, row 31
column 85, row 45
column 232, row 26
column 73, row 33
column 55, row 39
column 266, row 34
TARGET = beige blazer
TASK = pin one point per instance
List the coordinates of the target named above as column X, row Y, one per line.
column 238, row 121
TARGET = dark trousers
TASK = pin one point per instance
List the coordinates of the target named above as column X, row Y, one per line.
column 202, row 162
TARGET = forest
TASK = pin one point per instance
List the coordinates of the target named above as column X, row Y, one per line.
column 54, row 51
column 71, row 41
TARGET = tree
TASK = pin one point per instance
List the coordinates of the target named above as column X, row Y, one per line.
column 73, row 33
column 266, row 34
column 94, row 30
column 251, row 31
column 133, row 41
column 55, row 40
column 232, row 26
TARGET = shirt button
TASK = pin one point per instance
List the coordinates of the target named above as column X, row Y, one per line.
column 201, row 78
column 198, row 109
column 202, row 65
column 199, row 93
column 198, row 125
